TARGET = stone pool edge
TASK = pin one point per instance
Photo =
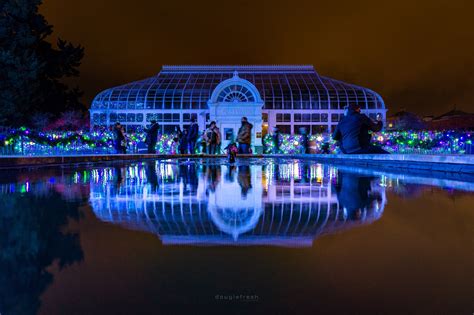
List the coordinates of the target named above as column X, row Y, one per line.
column 463, row 164
column 428, row 163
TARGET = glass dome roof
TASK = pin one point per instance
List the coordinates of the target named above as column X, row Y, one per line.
column 281, row 87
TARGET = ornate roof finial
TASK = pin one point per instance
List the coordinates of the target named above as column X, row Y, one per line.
column 236, row 74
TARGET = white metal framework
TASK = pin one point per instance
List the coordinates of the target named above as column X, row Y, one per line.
column 294, row 96
column 298, row 205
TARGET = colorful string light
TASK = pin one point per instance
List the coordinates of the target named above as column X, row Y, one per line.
column 422, row 142
column 28, row 142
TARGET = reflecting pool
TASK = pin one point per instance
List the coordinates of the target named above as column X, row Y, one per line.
column 263, row 235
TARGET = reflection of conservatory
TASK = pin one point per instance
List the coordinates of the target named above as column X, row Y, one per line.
column 288, row 97
column 283, row 213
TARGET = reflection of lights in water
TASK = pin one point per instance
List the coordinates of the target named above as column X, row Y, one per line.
column 319, row 173
column 235, row 221
column 25, row 188
column 383, row 181
column 142, row 174
column 102, row 175
column 332, row 173
column 76, row 177
column 166, row 170
column 296, row 170
column 289, row 170
column 269, row 174
column 213, row 208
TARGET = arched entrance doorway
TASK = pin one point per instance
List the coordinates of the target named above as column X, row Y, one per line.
column 231, row 100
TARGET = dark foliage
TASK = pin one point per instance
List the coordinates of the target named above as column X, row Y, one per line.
column 32, row 69
column 32, row 238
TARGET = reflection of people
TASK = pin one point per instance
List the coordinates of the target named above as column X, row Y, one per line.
column 244, row 179
column 305, row 173
column 151, row 176
column 187, row 174
column 352, row 132
column 229, row 176
column 244, row 136
column 213, row 174
column 118, row 177
column 354, row 193
column 152, row 137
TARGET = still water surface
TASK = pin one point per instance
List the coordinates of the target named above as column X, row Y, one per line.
column 200, row 236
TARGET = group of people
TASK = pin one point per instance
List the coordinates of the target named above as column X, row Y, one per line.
column 352, row 135
column 187, row 139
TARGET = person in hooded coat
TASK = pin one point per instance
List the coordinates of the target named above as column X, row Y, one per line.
column 152, row 136
column 244, row 136
column 119, row 137
column 352, row 132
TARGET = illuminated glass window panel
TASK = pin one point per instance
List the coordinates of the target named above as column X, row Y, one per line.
column 296, row 88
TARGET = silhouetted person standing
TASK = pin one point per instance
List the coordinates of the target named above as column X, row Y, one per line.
column 152, row 136
column 212, row 136
column 244, row 136
column 276, row 141
column 304, row 140
column 123, row 144
column 118, row 137
column 183, row 142
column 193, row 134
column 352, row 132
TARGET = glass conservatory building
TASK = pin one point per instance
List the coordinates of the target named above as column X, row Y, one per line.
column 284, row 96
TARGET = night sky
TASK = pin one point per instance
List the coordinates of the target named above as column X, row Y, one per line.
column 419, row 55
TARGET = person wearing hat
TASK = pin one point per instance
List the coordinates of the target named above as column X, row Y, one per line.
column 352, row 132
column 152, row 136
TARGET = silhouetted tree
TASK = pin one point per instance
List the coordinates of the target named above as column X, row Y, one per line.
column 32, row 237
column 40, row 120
column 32, row 69
column 70, row 120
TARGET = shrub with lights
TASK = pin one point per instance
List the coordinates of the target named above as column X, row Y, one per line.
column 423, row 142
column 29, row 142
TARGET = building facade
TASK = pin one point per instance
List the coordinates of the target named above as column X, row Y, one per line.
column 287, row 97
